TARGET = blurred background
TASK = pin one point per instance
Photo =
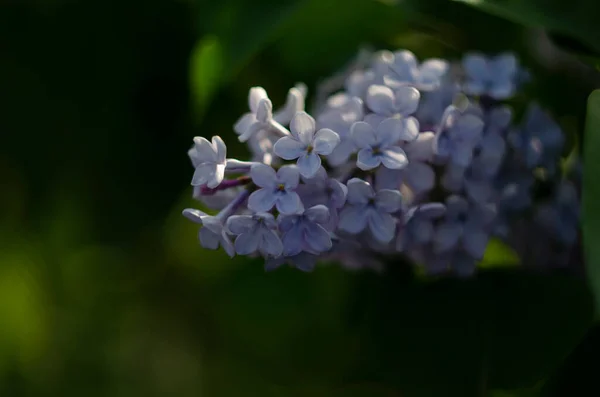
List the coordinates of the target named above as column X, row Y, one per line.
column 104, row 289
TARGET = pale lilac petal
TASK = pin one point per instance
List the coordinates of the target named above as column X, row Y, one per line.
column 359, row 191
column 293, row 241
column 286, row 222
column 476, row 66
column 382, row 226
column 318, row 214
column 317, row 238
column 380, row 99
column 263, row 175
column 353, row 219
column 309, row 164
column 405, row 65
column 422, row 232
column 264, row 113
column 194, row 215
column 367, row 160
column 456, row 206
column 270, row 243
column 213, row 224
column 338, row 194
column 204, row 173
column 406, row 100
column 289, row 148
column 217, row 177
column 227, row 244
column 421, row 149
column 362, row 134
column 388, row 200
column 302, row 127
column 431, row 210
column 247, row 243
column 420, row 177
column 289, row 175
column 288, row 203
column 325, row 141
column 262, row 200
column 208, row 239
column 220, row 149
column 503, row 66
column 244, row 123
column 256, row 95
column 393, row 157
column 431, row 70
column 293, row 103
column 389, row 130
column 475, row 242
column 386, row 178
column 474, row 87
column 446, row 236
column 410, row 129
column 502, row 89
column 205, row 152
column 238, row 224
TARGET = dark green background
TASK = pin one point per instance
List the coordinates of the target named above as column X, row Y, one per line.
column 104, row 290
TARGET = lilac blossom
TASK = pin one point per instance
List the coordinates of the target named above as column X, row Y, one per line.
column 304, row 232
column 277, row 189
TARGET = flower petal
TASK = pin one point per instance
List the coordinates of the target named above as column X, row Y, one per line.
column 289, row 203
column 194, row 215
column 244, row 123
column 302, row 127
column 339, row 191
column 410, row 129
column 362, row 134
column 388, row 200
column 226, row 244
column 420, row 177
column 238, row 224
column 208, row 239
column 380, row 99
column 325, row 141
column 405, row 66
column 317, row 214
column 359, row 191
column 204, row 173
column 406, row 100
column 256, row 95
column 476, row 66
column 247, row 243
column 382, row 226
column 353, row 219
column 388, row 131
column 421, row 149
column 317, row 238
column 367, row 160
column 289, row 148
column 293, row 241
column 270, row 244
column 342, row 152
column 262, row 200
column 205, row 152
column 393, row 157
column 446, row 236
column 309, row 164
column 475, row 242
column 220, row 149
column 217, row 177
column 263, row 175
column 289, row 175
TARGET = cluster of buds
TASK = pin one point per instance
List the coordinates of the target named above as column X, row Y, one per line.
column 400, row 157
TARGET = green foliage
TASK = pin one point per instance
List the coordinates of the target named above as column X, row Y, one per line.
column 591, row 195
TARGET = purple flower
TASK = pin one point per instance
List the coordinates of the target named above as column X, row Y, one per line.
column 494, row 76
column 379, row 145
column 276, row 189
column 365, row 208
column 419, row 225
column 405, row 70
column 209, row 160
column 304, row 232
column 255, row 233
column 259, row 117
column 458, row 136
column 212, row 233
column 402, row 101
column 306, row 145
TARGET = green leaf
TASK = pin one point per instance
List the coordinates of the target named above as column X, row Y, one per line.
column 591, row 195
column 206, row 65
column 577, row 18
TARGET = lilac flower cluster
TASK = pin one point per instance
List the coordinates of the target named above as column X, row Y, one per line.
column 401, row 157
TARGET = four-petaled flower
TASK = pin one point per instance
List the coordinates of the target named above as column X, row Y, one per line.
column 405, row 69
column 255, row 233
column 259, row 117
column 379, row 145
column 304, row 232
column 494, row 76
column 209, row 160
column 276, row 189
column 366, row 208
column 306, row 145
column 457, row 137
column 212, row 234
column 402, row 101
column 419, row 225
